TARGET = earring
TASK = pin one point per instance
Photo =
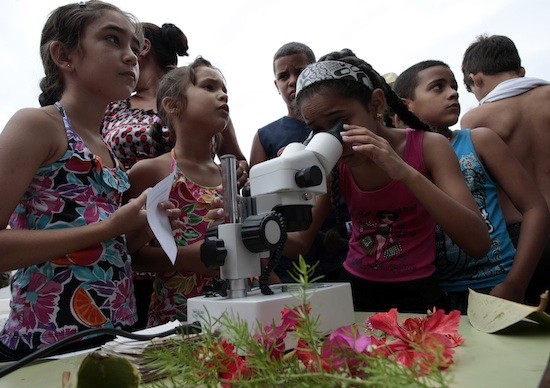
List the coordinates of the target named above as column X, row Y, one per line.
column 69, row 65
column 378, row 116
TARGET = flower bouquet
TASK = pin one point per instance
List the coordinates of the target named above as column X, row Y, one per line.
column 382, row 352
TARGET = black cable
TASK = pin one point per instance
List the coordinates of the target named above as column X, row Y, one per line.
column 274, row 260
column 187, row 329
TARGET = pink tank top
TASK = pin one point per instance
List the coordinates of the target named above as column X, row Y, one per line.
column 393, row 235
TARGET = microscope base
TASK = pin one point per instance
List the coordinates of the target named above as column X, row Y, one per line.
column 330, row 302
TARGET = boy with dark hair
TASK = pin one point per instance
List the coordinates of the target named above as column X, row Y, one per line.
column 288, row 62
column 516, row 108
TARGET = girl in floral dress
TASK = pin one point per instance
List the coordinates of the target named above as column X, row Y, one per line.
column 192, row 101
column 126, row 125
column 68, row 233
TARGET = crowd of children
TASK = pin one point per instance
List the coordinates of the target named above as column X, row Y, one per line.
column 415, row 214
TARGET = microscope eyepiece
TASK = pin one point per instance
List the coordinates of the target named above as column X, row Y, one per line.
column 336, row 129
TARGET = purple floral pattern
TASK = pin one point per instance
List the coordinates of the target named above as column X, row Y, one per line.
column 74, row 191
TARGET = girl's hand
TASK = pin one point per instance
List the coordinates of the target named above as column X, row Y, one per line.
column 242, row 173
column 216, row 214
column 377, row 149
column 133, row 215
column 173, row 213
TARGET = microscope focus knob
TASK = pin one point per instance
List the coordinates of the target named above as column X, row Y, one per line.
column 309, row 176
column 261, row 232
column 213, row 252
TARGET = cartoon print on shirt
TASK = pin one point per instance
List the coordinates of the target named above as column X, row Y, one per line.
column 474, row 180
column 381, row 242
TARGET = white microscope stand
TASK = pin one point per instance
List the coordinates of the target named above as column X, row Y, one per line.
column 331, row 302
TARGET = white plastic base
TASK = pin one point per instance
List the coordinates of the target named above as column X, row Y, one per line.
column 330, row 302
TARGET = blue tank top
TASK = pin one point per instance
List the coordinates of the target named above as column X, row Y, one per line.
column 282, row 132
column 455, row 269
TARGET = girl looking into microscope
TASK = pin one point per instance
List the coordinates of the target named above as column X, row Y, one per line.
column 398, row 184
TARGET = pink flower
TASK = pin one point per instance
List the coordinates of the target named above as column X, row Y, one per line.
column 40, row 301
column 123, row 304
column 343, row 346
column 273, row 339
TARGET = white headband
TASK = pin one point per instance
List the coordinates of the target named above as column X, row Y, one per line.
column 325, row 70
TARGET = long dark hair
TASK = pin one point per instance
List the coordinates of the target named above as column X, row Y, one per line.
column 167, row 43
column 66, row 24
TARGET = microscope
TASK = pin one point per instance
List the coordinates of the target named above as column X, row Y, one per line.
column 279, row 199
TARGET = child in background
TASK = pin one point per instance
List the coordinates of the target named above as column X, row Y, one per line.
column 516, row 108
column 288, row 62
column 429, row 89
column 269, row 141
column 68, row 232
column 192, row 101
column 398, row 184
column 125, row 127
column 126, row 123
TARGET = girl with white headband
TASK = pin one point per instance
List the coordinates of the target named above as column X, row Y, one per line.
column 398, row 184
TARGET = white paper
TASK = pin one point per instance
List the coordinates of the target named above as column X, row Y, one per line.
column 157, row 218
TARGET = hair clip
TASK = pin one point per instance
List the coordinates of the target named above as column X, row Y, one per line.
column 82, row 4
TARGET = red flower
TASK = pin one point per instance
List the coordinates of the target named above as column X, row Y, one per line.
column 424, row 342
column 227, row 362
column 292, row 318
column 310, row 358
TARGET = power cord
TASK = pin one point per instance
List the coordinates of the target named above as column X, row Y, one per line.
column 186, row 329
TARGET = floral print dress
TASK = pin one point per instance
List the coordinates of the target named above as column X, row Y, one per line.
column 172, row 289
column 85, row 289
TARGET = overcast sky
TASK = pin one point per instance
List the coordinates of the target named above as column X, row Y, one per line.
column 241, row 36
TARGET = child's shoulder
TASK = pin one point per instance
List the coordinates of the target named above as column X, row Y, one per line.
column 148, row 172
column 28, row 124
column 484, row 138
column 154, row 166
column 44, row 117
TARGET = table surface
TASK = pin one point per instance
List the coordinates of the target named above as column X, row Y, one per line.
column 514, row 357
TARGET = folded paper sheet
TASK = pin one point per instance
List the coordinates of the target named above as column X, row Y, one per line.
column 157, row 219
column 490, row 314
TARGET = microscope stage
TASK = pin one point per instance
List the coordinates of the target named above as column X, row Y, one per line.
column 330, row 302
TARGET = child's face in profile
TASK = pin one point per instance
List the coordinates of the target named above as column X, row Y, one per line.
column 436, row 98
column 287, row 69
column 108, row 59
column 207, row 100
